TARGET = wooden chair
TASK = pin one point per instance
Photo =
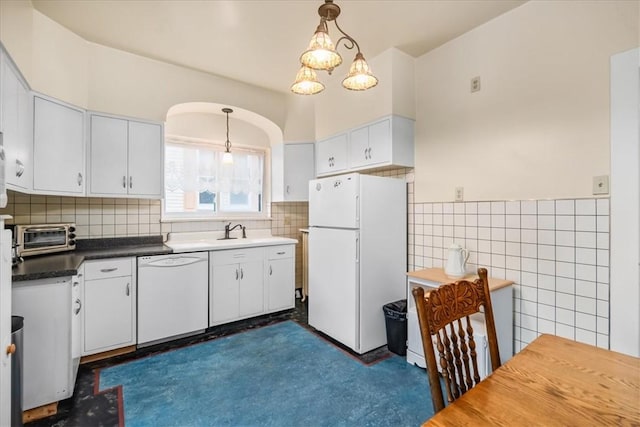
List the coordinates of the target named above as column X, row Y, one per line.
column 443, row 315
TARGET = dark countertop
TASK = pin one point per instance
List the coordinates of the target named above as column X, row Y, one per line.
column 67, row 263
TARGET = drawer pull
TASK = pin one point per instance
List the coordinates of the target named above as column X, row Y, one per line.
column 108, row 270
column 281, row 253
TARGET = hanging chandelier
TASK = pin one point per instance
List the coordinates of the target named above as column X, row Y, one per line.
column 227, row 158
column 322, row 55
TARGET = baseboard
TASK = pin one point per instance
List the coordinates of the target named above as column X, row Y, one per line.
column 40, row 412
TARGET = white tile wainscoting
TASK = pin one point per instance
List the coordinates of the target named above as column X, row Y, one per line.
column 556, row 252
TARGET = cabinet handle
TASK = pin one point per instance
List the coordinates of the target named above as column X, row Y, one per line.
column 108, row 270
column 124, row 181
column 369, row 153
column 19, row 168
column 128, row 292
column 242, row 273
column 130, row 181
column 270, row 270
column 288, row 189
column 75, row 284
column 79, row 306
column 79, row 179
column 2, row 153
column 237, row 274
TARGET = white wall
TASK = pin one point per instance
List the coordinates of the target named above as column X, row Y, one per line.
column 16, row 25
column 60, row 64
column 300, row 122
column 625, row 202
column 213, row 127
column 539, row 127
column 339, row 109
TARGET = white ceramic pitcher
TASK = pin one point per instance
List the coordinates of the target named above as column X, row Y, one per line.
column 456, row 261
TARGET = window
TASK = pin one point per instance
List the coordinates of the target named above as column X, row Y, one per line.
column 199, row 184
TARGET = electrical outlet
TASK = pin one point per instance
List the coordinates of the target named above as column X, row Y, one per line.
column 601, row 184
column 459, row 194
column 475, row 84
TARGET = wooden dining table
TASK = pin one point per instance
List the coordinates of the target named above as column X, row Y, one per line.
column 553, row 381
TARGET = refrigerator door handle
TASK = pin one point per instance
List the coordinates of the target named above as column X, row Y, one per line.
column 358, row 209
column 357, row 249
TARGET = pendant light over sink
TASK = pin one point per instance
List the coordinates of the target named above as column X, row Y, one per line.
column 322, row 55
column 227, row 158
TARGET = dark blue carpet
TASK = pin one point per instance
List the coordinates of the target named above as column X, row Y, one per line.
column 278, row 375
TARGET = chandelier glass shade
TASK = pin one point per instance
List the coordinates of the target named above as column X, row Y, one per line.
column 359, row 77
column 321, row 54
column 307, row 82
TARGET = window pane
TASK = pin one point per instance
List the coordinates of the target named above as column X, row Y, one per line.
column 198, row 183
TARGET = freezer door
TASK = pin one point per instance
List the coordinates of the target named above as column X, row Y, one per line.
column 333, row 284
column 334, row 201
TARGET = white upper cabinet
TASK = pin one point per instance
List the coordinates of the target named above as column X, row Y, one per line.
column 292, row 167
column 15, row 124
column 125, row 157
column 331, row 155
column 386, row 142
column 58, row 147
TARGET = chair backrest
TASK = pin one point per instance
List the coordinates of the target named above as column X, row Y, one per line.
column 443, row 314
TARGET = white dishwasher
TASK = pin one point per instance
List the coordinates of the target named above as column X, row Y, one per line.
column 173, row 296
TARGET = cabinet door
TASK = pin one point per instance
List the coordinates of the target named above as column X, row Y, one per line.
column 46, row 347
column 298, row 171
column 251, row 300
column 380, row 142
column 331, row 155
column 108, row 157
column 225, row 293
column 281, row 284
column 145, row 159
column 16, row 126
column 23, row 174
column 108, row 313
column 359, row 147
column 58, row 148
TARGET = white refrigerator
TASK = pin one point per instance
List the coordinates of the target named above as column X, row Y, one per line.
column 357, row 256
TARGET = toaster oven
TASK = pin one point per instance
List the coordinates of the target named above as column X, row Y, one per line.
column 36, row 239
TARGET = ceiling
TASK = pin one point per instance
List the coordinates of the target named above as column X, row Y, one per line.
column 260, row 41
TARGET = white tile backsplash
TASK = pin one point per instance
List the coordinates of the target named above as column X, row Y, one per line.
column 556, row 251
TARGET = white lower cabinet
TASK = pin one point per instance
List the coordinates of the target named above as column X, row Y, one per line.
column 280, row 277
column 249, row 282
column 49, row 370
column 237, row 289
column 109, row 304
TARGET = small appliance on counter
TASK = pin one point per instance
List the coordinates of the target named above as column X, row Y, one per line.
column 456, row 262
column 36, row 239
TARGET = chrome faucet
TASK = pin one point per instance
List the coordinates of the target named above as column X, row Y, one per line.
column 228, row 229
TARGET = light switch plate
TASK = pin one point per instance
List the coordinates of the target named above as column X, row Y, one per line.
column 601, row 184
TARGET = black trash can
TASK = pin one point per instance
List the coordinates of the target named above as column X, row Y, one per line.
column 17, row 326
column 395, row 317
